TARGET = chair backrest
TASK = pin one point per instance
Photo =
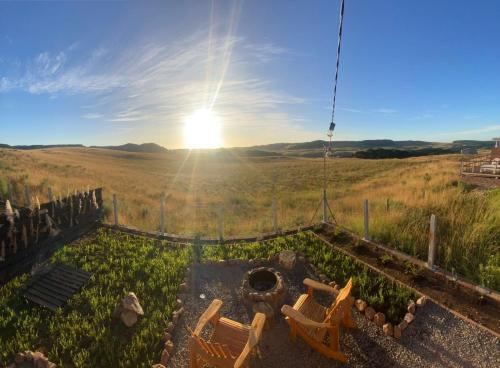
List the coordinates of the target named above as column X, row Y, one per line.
column 215, row 350
column 253, row 338
column 333, row 313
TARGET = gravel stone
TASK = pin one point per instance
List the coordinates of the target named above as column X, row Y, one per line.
column 436, row 338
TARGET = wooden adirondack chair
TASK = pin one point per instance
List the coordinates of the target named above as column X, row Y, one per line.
column 317, row 325
column 231, row 343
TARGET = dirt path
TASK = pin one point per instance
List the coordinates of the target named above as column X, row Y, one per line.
column 437, row 338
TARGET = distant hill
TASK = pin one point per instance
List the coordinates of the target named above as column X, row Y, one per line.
column 475, row 144
column 132, row 147
column 355, row 145
column 40, row 146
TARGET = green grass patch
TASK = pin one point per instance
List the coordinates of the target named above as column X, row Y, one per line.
column 83, row 334
column 384, row 295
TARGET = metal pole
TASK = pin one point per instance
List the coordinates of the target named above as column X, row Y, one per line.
column 162, row 215
column 431, row 257
column 366, row 222
column 325, row 204
column 115, row 209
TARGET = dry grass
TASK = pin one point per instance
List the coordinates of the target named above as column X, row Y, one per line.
column 468, row 221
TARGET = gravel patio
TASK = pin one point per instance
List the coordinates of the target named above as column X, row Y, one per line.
column 437, row 338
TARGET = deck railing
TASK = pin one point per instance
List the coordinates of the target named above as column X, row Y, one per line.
column 481, row 166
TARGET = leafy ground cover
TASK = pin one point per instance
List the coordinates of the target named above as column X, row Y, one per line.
column 83, row 334
column 382, row 294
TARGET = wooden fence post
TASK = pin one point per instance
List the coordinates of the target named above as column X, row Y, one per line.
column 9, row 192
column 275, row 215
column 50, row 195
column 431, row 257
column 220, row 218
column 27, row 196
column 115, row 209
column 162, row 214
column 366, row 222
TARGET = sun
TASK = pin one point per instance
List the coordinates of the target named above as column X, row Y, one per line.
column 202, row 130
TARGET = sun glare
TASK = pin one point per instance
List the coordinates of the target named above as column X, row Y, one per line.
column 202, row 130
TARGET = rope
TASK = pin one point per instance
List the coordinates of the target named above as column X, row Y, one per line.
column 338, row 58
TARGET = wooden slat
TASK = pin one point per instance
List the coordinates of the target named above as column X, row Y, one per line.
column 53, row 289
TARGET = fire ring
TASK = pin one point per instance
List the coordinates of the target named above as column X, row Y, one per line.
column 264, row 284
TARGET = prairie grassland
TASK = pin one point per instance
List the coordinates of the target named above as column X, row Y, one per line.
column 402, row 195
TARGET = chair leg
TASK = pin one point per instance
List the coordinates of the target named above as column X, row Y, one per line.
column 334, row 338
column 347, row 319
column 193, row 359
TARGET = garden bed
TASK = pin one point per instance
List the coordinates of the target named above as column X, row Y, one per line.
column 381, row 293
column 468, row 303
column 83, row 333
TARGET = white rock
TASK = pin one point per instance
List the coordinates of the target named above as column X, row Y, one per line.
column 411, row 307
column 360, row 305
column 421, row 301
column 131, row 303
column 388, row 329
column 409, row 318
column 129, row 318
column 370, row 313
column 287, row 259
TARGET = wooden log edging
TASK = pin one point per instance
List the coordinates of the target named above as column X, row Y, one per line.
column 455, row 313
column 466, row 284
column 205, row 241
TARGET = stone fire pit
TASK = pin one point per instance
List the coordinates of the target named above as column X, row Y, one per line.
column 264, row 284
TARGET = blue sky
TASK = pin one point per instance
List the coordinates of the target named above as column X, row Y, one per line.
column 113, row 72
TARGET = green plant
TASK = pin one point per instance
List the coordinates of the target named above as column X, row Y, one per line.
column 385, row 259
column 83, row 333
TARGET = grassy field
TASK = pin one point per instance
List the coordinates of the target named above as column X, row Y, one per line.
column 402, row 196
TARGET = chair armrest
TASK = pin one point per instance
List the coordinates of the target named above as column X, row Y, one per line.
column 207, row 316
column 319, row 286
column 301, row 319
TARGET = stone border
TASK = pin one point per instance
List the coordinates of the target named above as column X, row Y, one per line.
column 378, row 318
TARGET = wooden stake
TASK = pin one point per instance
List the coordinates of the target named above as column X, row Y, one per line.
column 162, row 214
column 2, row 251
column 275, row 215
column 220, row 217
column 27, row 196
column 115, row 209
column 431, row 257
column 25, row 237
column 366, row 220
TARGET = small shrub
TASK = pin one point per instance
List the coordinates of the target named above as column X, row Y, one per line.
column 386, row 259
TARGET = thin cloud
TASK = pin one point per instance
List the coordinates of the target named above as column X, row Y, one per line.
column 385, row 111
column 163, row 84
column 92, row 116
column 486, row 129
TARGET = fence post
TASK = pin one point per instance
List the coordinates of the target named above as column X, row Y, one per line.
column 387, row 205
column 50, row 195
column 220, row 218
column 162, row 214
column 9, row 192
column 325, row 207
column 115, row 209
column 366, row 223
column 27, row 196
column 431, row 257
column 275, row 215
